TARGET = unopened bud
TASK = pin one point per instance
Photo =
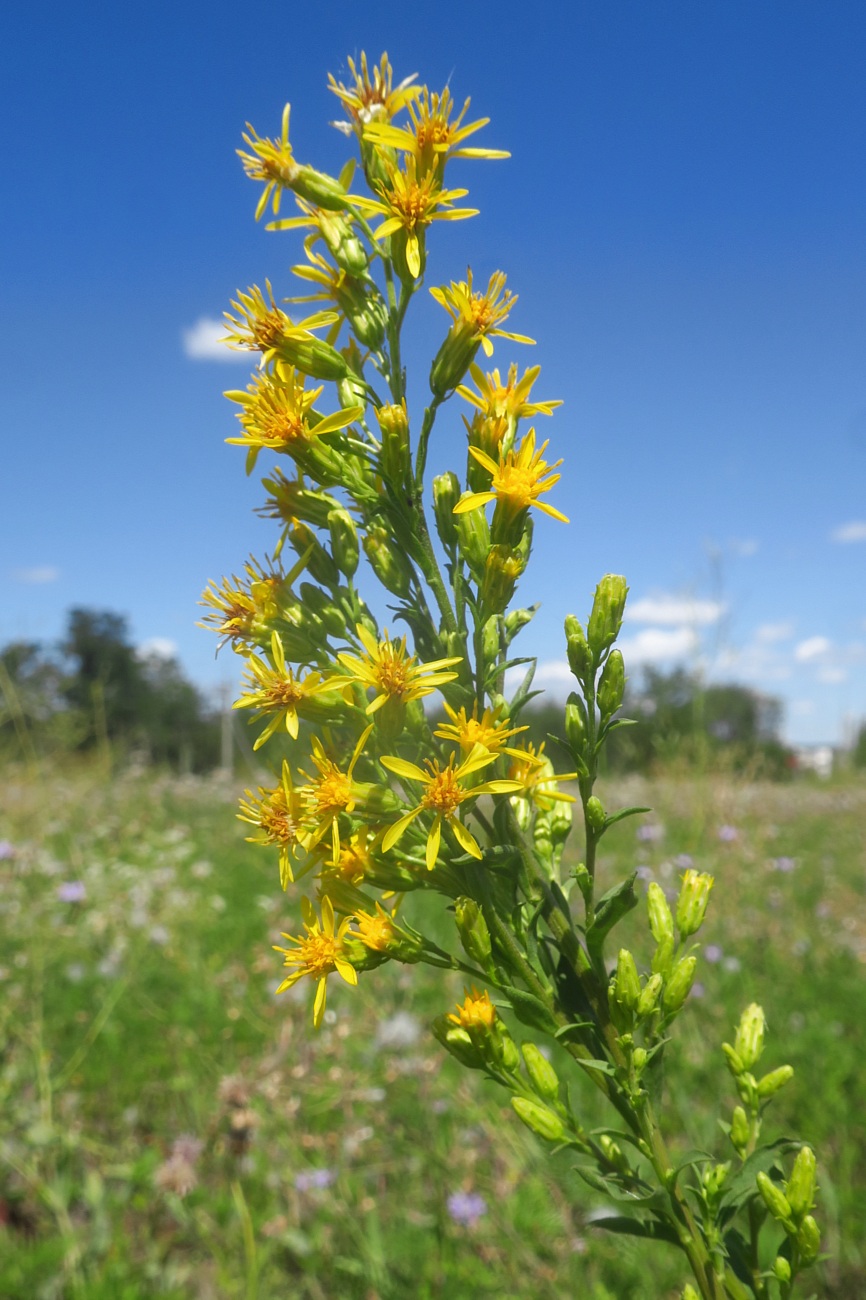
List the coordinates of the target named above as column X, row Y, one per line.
column 776, row 1079
column 605, row 620
column 577, row 648
column 576, row 724
column 473, row 534
column 312, row 356
column 689, row 1292
column 733, row 1061
column 661, row 922
column 343, row 244
column 740, row 1129
column 692, row 902
column 627, row 989
column 800, row 1188
column 319, row 563
column 540, row 1119
column 344, row 540
column 809, row 1240
column 541, row 1072
column 680, row 983
column 613, row 1153
column 321, row 604
column 663, row 957
column 395, row 456
column 387, row 561
column 453, row 359
column 317, row 188
column 473, row 931
column 611, row 687
column 503, row 567
column 649, row 996
column 446, row 494
column 458, row 1043
column 749, row 1042
column 774, row 1198
column 517, row 619
column 490, row 640
column 595, row 814
column 781, row 1269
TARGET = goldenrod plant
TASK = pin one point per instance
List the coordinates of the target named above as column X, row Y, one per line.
column 385, row 801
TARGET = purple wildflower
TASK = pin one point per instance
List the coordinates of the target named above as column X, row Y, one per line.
column 727, row 834
column 784, row 864
column 71, row 891
column 713, row 953
column 466, row 1208
column 7, row 850
column 650, row 832
column 683, row 861
column 314, row 1180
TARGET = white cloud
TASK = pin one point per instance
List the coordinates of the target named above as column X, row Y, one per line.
column 768, row 633
column 674, row 609
column 38, row 574
column 203, row 341
column 157, row 647
column 655, row 644
column 853, row 532
column 744, row 547
column 815, row 647
column 832, row 674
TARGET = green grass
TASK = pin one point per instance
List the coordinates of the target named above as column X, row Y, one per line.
column 145, row 1013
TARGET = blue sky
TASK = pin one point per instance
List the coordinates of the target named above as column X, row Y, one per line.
column 684, row 220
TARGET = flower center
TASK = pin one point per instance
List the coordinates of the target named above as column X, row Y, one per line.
column 333, row 792
column 444, row 794
column 318, row 955
column 392, row 675
column 285, row 694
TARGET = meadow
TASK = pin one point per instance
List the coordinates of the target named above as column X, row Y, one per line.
column 169, row 1127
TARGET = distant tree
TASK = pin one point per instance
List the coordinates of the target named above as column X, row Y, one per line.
column 858, row 756
column 106, row 683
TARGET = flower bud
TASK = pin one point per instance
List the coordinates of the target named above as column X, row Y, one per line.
column 541, row 1072
column 395, row 456
column 774, row 1198
column 387, row 561
column 627, row 990
column 517, row 619
column 772, row 1082
column 343, row 244
column 595, row 814
column 331, row 617
column 446, row 494
column 660, row 920
column 714, row 1179
column 614, row 1154
column 649, row 996
column 473, row 533
column 473, row 931
column 740, row 1129
column 312, row 356
column 365, row 310
column 317, row 188
column 689, row 1292
column 732, row 1060
column 576, row 724
column 809, row 1240
column 781, row 1269
column 680, row 983
column 344, row 540
column 579, row 654
column 457, row 1041
column 503, row 567
column 639, row 1058
column 605, row 620
column 351, row 389
column 692, row 902
column 663, row 957
column 611, row 687
column 319, row 563
column 540, row 1119
column 453, row 359
column 800, row 1188
column 749, row 1041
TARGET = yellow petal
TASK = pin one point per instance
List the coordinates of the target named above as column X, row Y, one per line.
column 393, row 833
column 433, row 841
column 465, row 839
column 401, row 767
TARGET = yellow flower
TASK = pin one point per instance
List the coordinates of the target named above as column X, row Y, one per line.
column 240, row 610
column 355, row 858
column 261, row 326
column 373, row 97
column 518, row 480
column 486, row 731
column 271, row 161
column 533, row 772
column 279, row 691
column 392, row 673
column 480, row 313
column 500, row 405
column 443, row 796
column 318, row 953
column 279, row 816
column 476, row 1012
column 433, row 139
column 410, row 202
column 331, row 793
column 376, row 931
column 276, row 414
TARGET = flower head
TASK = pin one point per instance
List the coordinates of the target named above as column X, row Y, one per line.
column 518, row 480
column 317, row 953
column 499, row 405
column 276, row 690
column 271, row 161
column 476, row 1011
column 487, row 731
column 261, row 326
column 240, row 610
column 444, row 792
column 376, row 930
column 276, row 414
column 432, row 139
column 533, row 772
column 391, row 672
column 480, row 313
column 279, row 816
column 331, row 793
column 372, row 97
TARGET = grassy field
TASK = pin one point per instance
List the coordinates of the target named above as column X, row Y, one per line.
column 168, row 1127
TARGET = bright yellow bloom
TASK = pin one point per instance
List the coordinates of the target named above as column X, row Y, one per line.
column 410, row 202
column 486, row 731
column 355, row 858
column 278, row 691
column 476, row 1012
column 276, row 414
column 480, row 313
column 262, row 326
column 241, row 609
column 533, row 771
column 373, row 97
column 376, row 931
column 443, row 796
column 505, row 403
column 392, row 673
column 518, row 480
column 432, row 138
column 271, row 161
column 331, row 793
column 318, row 953
column 279, row 816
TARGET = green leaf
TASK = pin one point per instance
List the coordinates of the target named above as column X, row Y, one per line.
column 655, row 1198
column 622, row 814
column 573, row 1028
column 740, row 1188
column 610, row 909
column 649, row 1229
column 529, row 1010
